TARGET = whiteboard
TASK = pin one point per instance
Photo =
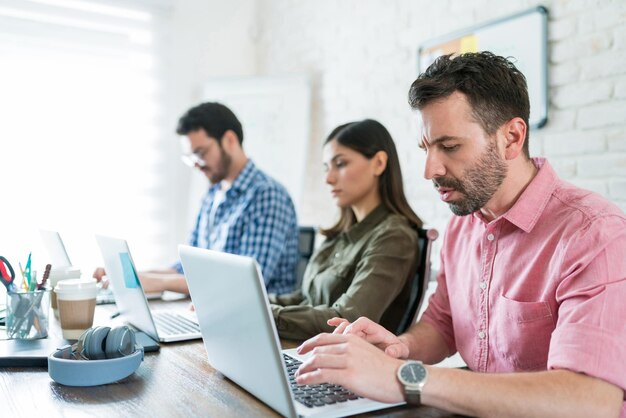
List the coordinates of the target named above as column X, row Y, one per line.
column 275, row 113
column 523, row 36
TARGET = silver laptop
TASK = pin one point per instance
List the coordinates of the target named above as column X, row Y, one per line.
column 59, row 258
column 241, row 339
column 161, row 325
column 56, row 249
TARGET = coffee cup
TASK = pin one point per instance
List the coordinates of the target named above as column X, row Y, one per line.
column 76, row 300
column 56, row 275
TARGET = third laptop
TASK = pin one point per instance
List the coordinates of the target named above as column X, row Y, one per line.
column 161, row 325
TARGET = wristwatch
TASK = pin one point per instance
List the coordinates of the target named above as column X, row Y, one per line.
column 413, row 375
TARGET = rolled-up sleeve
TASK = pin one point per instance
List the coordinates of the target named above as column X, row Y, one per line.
column 287, row 299
column 590, row 336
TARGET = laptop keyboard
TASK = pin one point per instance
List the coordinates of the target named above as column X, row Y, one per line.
column 174, row 324
column 105, row 296
column 315, row 395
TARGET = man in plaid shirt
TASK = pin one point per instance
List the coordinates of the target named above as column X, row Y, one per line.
column 244, row 212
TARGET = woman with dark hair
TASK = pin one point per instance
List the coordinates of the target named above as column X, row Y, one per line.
column 366, row 265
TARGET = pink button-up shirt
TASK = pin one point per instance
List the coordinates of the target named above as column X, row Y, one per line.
column 541, row 287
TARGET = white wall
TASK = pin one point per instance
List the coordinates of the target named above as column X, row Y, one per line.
column 207, row 38
column 362, row 57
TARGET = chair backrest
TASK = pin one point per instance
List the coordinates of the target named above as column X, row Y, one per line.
column 306, row 245
column 421, row 278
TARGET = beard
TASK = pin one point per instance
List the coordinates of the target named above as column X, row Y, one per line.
column 220, row 172
column 478, row 183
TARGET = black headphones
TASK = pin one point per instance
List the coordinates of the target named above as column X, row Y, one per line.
column 112, row 354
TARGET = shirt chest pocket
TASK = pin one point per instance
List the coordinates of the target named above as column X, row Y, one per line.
column 329, row 284
column 523, row 331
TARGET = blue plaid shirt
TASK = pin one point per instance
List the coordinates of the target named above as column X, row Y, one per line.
column 256, row 218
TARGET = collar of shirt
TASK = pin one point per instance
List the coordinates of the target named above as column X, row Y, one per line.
column 530, row 205
column 241, row 183
column 356, row 231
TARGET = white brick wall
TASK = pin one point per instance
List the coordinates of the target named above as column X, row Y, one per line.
column 577, row 94
column 361, row 55
column 573, row 47
column 607, row 113
column 620, row 87
column 574, row 143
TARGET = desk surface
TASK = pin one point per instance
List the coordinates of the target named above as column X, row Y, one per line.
column 177, row 381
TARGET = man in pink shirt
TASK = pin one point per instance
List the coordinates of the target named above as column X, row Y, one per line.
column 532, row 286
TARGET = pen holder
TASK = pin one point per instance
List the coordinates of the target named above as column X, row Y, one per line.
column 27, row 314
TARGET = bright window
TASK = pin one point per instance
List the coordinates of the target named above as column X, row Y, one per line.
column 81, row 148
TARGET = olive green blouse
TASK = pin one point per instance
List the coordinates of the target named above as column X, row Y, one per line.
column 364, row 271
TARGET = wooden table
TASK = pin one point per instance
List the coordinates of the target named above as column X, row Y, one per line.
column 177, row 381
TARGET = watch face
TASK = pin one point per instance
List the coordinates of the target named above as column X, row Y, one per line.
column 413, row 373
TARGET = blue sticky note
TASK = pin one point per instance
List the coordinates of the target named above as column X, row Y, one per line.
column 131, row 280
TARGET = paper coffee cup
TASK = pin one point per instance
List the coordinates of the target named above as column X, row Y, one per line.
column 56, row 275
column 76, row 300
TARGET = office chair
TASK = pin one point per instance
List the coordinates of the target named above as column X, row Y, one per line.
column 420, row 281
column 306, row 245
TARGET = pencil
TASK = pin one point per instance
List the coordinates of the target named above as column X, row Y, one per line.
column 24, row 284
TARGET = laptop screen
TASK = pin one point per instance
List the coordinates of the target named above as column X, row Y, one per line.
column 129, row 296
column 237, row 327
column 56, row 249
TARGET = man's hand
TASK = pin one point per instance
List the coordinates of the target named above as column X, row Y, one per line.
column 353, row 363
column 371, row 332
column 99, row 275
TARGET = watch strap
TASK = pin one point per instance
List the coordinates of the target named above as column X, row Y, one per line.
column 413, row 397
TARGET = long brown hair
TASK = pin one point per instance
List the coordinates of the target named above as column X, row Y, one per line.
column 368, row 137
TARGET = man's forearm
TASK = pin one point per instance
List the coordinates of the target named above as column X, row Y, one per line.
column 160, row 281
column 425, row 343
column 553, row 393
column 165, row 271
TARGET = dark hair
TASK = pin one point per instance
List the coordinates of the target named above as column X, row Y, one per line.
column 368, row 137
column 214, row 118
column 495, row 88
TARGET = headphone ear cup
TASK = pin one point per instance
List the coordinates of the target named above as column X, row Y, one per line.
column 129, row 342
column 78, row 348
column 120, row 342
column 94, row 342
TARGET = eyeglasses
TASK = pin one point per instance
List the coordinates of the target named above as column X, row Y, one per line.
column 195, row 159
